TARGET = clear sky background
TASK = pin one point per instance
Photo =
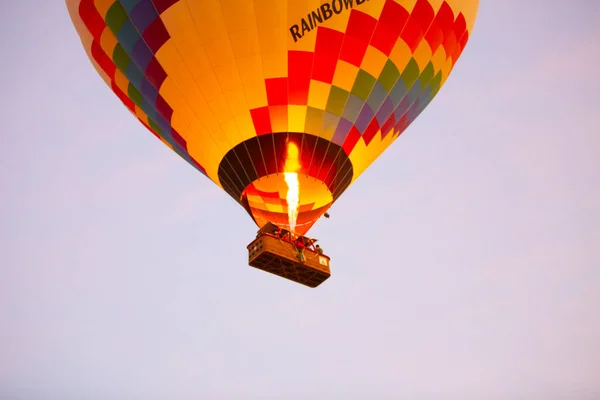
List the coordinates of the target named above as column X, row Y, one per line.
column 466, row 260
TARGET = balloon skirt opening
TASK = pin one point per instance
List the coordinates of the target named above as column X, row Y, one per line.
column 266, row 200
column 271, row 254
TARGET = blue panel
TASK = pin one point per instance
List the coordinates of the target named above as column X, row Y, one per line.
column 128, row 5
column 134, row 75
column 398, row 92
column 141, row 55
column 353, row 106
column 377, row 96
column 364, row 119
column 149, row 92
column 384, row 112
column 143, row 14
column 341, row 132
column 128, row 36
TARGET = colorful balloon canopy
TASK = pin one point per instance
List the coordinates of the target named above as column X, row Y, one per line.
column 282, row 103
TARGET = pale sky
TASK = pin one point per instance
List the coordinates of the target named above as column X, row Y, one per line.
column 475, row 275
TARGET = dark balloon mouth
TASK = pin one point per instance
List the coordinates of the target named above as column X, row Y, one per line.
column 265, row 155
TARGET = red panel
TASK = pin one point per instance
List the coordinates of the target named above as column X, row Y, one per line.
column 443, row 21
column 107, row 65
column 460, row 25
column 156, row 35
column 327, row 50
column 423, row 13
column 461, row 46
column 418, row 23
column 388, row 125
column 262, row 120
column 351, row 140
column 155, row 73
column 392, row 20
column 450, row 43
column 412, row 34
column 162, row 5
column 277, row 91
column 358, row 35
column 353, row 51
column 164, row 109
column 91, row 18
column 299, row 71
column 197, row 164
column 360, row 25
column 177, row 137
column 371, row 131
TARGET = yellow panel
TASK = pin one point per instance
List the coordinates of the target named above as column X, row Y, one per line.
column 121, row 81
column 208, row 18
column 296, row 118
column 373, row 61
column 182, row 113
column 296, row 11
column 170, row 60
column 345, row 75
column 244, row 43
column 318, row 94
column 272, row 40
column 183, row 32
column 250, row 70
column 422, row 54
column 279, row 118
column 401, row 54
column 245, row 125
column 200, row 147
column 102, row 6
column 108, row 42
column 213, row 33
column 439, row 59
column 141, row 114
column 275, row 64
column 339, row 22
column 236, row 101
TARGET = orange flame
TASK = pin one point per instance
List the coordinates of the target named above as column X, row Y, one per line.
column 292, row 165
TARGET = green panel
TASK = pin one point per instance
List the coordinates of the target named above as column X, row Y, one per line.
column 389, row 76
column 410, row 73
column 135, row 95
column 116, row 17
column 427, row 75
column 314, row 120
column 363, row 84
column 154, row 127
column 337, row 100
column 436, row 83
column 120, row 58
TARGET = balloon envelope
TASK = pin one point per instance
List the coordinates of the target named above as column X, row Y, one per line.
column 238, row 87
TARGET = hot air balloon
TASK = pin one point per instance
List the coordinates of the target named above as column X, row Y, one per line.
column 281, row 103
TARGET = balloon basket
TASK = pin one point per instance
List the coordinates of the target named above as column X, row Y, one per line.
column 280, row 257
